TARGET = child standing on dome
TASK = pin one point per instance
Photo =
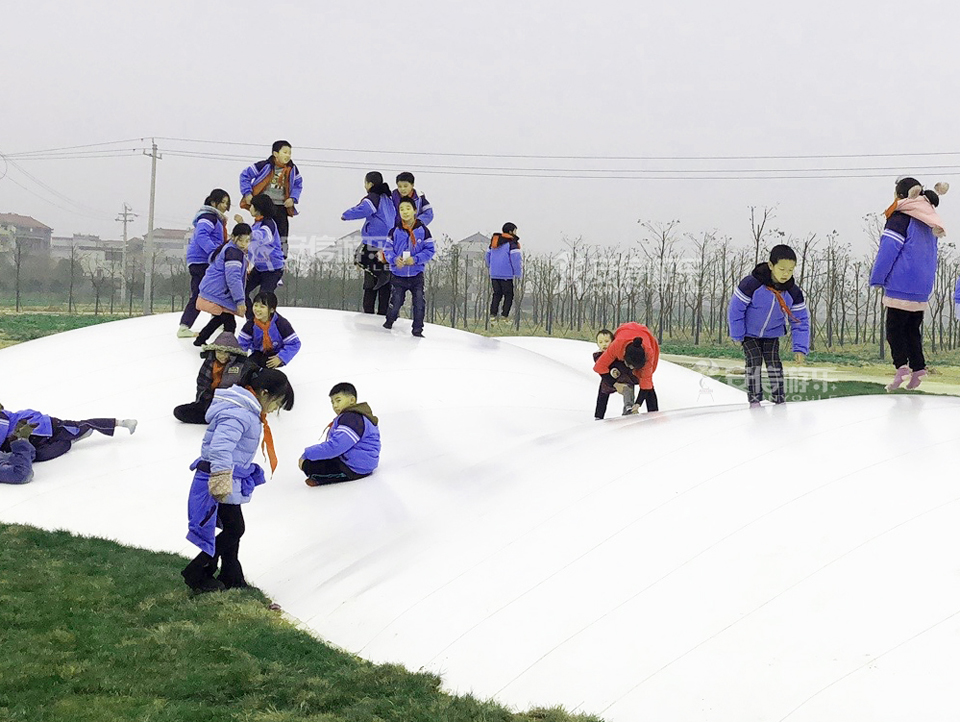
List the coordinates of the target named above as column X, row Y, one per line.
column 906, row 268
column 759, row 310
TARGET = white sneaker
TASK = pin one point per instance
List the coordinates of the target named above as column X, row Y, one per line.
column 129, row 424
column 185, row 332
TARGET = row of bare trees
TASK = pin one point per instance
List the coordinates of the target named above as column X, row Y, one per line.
column 677, row 283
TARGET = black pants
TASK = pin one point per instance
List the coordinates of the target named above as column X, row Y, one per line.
column 226, row 319
column 330, row 471
column 759, row 351
column 376, row 290
column 402, row 284
column 190, row 312
column 502, row 289
column 648, row 396
column 63, row 436
column 204, row 566
column 192, row 413
column 905, row 338
column 283, row 226
column 266, row 280
column 260, row 358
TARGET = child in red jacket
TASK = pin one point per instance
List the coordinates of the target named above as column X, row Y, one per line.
column 637, row 348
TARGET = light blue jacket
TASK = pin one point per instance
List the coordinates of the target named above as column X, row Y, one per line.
column 229, row 444
column 17, row 466
column 421, row 251
column 223, row 282
column 420, row 202
column 906, row 264
column 506, row 260
column 208, row 236
column 354, row 437
column 266, row 250
column 755, row 310
column 379, row 216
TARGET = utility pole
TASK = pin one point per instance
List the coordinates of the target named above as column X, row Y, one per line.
column 125, row 217
column 148, row 243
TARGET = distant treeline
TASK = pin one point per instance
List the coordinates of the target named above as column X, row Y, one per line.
column 678, row 284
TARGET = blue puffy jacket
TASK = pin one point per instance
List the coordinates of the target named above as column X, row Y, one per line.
column 756, row 311
column 253, row 180
column 285, row 340
column 379, row 214
column 209, row 233
column 906, row 264
column 504, row 257
column 223, row 282
column 416, row 240
column 17, row 466
column 266, row 250
column 10, row 419
column 420, row 202
column 230, row 443
column 354, row 437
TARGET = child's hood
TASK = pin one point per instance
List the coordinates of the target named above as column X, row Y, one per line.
column 364, row 410
column 762, row 273
column 226, row 342
column 234, row 397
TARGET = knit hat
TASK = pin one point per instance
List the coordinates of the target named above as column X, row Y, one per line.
column 225, row 342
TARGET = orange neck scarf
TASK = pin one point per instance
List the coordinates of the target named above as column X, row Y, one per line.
column 783, row 304
column 409, row 230
column 267, row 446
column 217, row 373
column 265, row 327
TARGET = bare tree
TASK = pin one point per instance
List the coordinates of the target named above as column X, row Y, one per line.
column 658, row 248
column 759, row 228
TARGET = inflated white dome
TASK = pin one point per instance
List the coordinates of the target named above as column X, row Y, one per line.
column 705, row 563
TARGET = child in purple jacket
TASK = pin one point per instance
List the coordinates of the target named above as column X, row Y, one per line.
column 906, row 268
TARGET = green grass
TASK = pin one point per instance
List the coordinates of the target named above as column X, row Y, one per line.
column 814, row 389
column 28, row 326
column 92, row 630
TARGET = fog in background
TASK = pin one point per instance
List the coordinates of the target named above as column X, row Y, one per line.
column 448, row 90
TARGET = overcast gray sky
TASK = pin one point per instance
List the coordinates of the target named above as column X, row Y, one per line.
column 419, row 80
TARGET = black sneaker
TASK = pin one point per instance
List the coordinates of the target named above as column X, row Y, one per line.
column 207, row 585
column 387, row 325
column 418, row 334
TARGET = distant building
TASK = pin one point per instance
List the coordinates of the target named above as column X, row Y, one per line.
column 33, row 235
column 167, row 243
column 93, row 249
column 475, row 245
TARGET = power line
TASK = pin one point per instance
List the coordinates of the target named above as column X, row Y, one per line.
column 574, row 157
column 374, row 151
column 599, row 174
column 55, row 192
column 73, row 147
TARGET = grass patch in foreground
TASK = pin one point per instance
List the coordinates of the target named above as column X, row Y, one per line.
column 92, row 630
column 814, row 390
column 28, row 326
